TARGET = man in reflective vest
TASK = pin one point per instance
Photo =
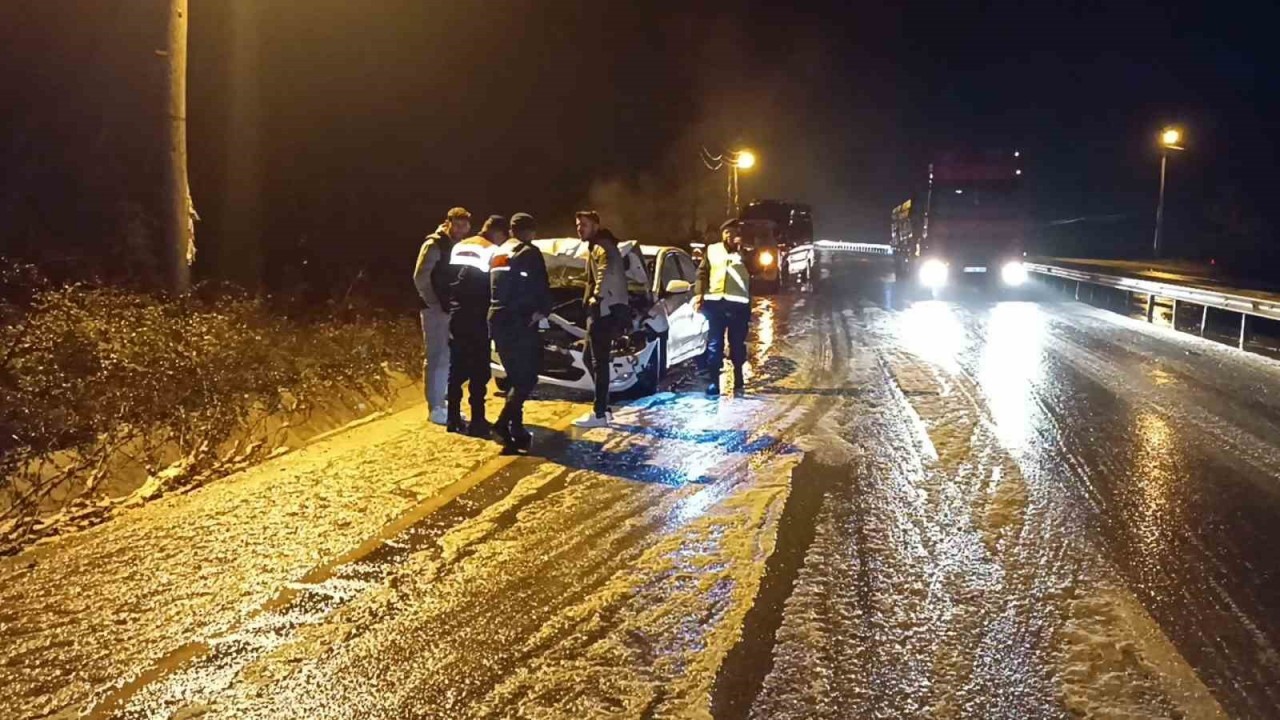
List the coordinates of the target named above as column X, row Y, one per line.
column 468, row 302
column 723, row 294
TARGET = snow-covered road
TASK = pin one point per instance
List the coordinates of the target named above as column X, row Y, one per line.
column 958, row 508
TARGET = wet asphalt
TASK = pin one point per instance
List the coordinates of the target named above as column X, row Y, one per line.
column 972, row 505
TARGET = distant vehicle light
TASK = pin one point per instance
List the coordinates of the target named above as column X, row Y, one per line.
column 959, row 192
column 1017, row 172
column 933, row 273
column 1013, row 273
column 766, row 258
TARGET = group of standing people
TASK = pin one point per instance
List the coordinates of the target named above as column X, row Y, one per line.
column 493, row 288
column 490, row 287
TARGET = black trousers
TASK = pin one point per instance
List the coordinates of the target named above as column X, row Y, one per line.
column 601, row 332
column 725, row 317
column 468, row 363
column 520, row 350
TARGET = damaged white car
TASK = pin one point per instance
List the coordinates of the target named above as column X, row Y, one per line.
column 665, row 332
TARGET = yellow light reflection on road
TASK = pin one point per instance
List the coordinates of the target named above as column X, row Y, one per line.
column 1010, row 368
column 766, row 325
column 1155, row 470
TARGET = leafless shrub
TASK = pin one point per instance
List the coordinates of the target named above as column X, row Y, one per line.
column 88, row 374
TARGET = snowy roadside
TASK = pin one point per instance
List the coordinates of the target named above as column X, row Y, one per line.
column 124, row 481
column 612, row 577
column 83, row 612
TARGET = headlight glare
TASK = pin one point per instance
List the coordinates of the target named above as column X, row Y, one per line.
column 933, row 273
column 1013, row 273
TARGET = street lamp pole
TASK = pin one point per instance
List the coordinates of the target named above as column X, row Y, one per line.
column 734, row 161
column 732, row 195
column 1164, row 163
column 1169, row 140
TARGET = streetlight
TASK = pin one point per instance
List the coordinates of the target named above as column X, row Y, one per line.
column 735, row 160
column 1170, row 139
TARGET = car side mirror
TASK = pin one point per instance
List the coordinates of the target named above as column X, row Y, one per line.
column 677, row 287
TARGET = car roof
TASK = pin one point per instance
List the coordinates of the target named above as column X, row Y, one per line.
column 576, row 248
column 572, row 253
column 653, row 250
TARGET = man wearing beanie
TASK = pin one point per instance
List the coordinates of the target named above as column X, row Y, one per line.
column 521, row 299
column 723, row 294
column 468, row 296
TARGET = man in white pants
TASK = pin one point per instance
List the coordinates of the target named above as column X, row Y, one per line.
column 429, row 278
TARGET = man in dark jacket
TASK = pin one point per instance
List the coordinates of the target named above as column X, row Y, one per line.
column 468, row 301
column 428, row 278
column 607, row 307
column 521, row 300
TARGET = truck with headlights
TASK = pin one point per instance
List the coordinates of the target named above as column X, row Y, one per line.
column 770, row 229
column 967, row 223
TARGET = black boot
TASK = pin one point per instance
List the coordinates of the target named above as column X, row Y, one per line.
column 739, row 384
column 713, row 390
column 523, row 439
column 502, row 426
column 479, row 427
column 504, row 434
column 456, row 424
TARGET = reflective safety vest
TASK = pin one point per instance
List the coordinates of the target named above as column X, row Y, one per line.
column 729, row 278
column 475, row 252
column 468, row 289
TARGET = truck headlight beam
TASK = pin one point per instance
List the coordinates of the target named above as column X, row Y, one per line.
column 1013, row 273
column 933, row 273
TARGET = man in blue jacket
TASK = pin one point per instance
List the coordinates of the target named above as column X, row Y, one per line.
column 467, row 297
column 521, row 299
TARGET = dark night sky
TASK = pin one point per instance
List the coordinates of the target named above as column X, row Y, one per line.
column 353, row 126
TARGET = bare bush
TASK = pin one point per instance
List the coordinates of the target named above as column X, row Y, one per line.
column 90, row 374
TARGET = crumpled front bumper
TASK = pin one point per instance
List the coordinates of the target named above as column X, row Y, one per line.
column 566, row 367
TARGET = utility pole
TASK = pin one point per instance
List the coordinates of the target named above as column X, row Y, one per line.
column 178, row 221
column 1170, row 139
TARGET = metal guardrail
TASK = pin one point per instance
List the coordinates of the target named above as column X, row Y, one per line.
column 1237, row 302
column 863, row 248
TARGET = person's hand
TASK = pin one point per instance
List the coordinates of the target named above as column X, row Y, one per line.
column 697, row 303
column 537, row 318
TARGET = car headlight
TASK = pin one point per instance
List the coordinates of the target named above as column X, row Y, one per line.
column 1013, row 273
column 766, row 258
column 933, row 273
